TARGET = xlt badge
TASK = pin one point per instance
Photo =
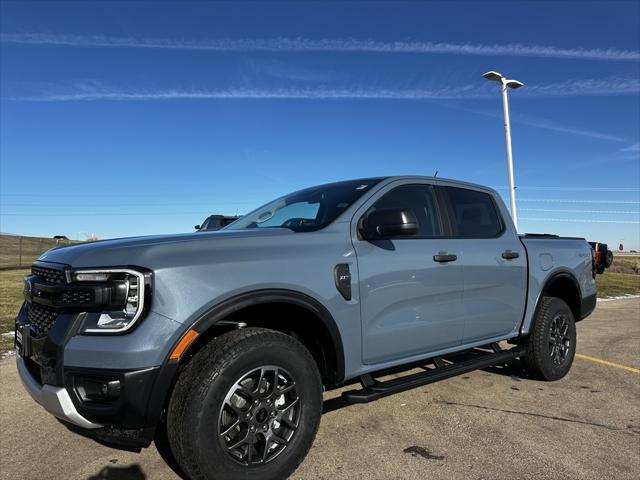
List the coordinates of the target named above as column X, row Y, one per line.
column 342, row 277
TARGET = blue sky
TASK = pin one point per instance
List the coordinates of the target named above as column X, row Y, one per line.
column 136, row 118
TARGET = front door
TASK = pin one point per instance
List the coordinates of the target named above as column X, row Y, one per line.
column 411, row 304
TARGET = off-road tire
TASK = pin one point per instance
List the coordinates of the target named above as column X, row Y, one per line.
column 539, row 357
column 161, row 442
column 200, row 392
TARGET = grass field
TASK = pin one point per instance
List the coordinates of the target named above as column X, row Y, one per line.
column 11, row 299
column 612, row 284
column 625, row 264
column 17, row 251
column 623, row 278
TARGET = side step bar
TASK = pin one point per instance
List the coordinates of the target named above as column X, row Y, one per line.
column 443, row 368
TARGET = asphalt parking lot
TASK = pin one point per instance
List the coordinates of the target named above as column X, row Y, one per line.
column 491, row 424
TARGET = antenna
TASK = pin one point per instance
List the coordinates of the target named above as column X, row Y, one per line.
column 435, row 174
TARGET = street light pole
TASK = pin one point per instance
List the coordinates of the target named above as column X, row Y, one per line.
column 507, row 134
column 505, row 84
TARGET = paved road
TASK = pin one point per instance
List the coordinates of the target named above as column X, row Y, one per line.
column 484, row 425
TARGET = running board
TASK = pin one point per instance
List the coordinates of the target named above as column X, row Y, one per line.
column 373, row 389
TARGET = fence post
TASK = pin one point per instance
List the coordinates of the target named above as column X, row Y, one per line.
column 20, row 251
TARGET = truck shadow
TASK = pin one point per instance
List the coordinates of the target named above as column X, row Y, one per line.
column 333, row 404
column 513, row 369
column 131, row 472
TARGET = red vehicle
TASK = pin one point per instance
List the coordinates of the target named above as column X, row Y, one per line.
column 602, row 256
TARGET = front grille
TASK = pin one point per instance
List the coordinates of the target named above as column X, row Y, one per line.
column 51, row 276
column 41, row 319
column 76, row 297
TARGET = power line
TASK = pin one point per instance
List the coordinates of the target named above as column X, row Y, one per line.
column 136, row 204
column 204, row 194
column 100, row 214
column 182, row 194
column 632, row 212
column 564, row 200
column 119, row 214
column 578, row 220
column 577, row 189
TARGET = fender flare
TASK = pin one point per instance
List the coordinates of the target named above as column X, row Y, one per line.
column 552, row 278
column 169, row 370
column 276, row 295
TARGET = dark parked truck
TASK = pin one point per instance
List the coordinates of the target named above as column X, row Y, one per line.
column 215, row 222
column 218, row 345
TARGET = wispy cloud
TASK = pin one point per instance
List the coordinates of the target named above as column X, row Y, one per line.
column 536, row 122
column 630, row 152
column 558, row 127
column 278, row 70
column 635, row 148
column 96, row 91
column 253, row 94
column 322, row 45
column 591, row 87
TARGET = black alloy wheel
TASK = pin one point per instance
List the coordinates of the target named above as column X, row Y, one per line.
column 260, row 415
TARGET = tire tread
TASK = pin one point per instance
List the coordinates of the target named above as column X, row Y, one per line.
column 536, row 359
column 205, row 367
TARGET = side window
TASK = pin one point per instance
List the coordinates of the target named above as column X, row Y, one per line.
column 419, row 199
column 474, row 213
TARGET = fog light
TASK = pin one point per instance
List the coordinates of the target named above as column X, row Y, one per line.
column 93, row 389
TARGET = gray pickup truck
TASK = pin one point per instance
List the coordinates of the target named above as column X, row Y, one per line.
column 218, row 345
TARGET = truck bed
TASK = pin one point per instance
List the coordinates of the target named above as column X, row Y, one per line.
column 552, row 255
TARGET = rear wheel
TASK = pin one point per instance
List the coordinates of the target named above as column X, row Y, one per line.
column 552, row 342
column 247, row 406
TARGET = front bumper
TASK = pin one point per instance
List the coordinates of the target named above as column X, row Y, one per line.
column 71, row 393
column 55, row 400
column 65, row 371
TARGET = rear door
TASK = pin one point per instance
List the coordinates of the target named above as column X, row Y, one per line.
column 410, row 303
column 495, row 263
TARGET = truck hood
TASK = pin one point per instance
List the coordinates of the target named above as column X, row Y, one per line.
column 141, row 250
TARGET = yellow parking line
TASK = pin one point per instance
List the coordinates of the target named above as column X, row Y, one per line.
column 609, row 364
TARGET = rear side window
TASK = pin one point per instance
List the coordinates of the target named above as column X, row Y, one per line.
column 474, row 213
column 419, row 199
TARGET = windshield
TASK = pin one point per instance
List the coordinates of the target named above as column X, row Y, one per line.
column 307, row 210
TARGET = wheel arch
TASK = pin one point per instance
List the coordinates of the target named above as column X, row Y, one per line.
column 262, row 307
column 321, row 336
column 565, row 286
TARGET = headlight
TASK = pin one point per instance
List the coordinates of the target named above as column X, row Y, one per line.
column 127, row 287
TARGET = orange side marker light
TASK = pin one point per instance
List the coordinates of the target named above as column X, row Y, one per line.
column 183, row 344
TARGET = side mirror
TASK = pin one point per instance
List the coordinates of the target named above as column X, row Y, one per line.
column 391, row 222
column 198, row 227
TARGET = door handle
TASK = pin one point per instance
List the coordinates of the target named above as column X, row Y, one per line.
column 445, row 257
column 509, row 255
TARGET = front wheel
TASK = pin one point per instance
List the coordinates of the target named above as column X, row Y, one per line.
column 552, row 342
column 247, row 406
